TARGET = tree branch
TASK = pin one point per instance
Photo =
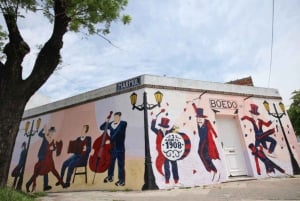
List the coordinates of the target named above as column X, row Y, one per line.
column 49, row 56
column 99, row 34
column 109, row 41
column 15, row 49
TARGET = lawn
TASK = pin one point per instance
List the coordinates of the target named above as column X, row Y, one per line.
column 7, row 194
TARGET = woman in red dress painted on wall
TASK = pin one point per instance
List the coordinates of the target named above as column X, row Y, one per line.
column 45, row 163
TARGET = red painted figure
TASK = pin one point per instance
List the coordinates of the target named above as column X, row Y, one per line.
column 207, row 148
column 258, row 153
column 45, row 163
column 261, row 137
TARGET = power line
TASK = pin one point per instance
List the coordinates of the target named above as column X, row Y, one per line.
column 272, row 38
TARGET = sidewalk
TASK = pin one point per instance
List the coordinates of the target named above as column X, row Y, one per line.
column 262, row 190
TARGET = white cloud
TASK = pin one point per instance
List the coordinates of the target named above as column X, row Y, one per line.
column 207, row 40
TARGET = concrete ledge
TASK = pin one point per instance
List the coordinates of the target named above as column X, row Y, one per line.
column 152, row 81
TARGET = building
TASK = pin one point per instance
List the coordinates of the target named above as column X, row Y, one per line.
column 36, row 100
column 179, row 132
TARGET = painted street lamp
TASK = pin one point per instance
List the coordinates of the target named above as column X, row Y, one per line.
column 149, row 178
column 28, row 134
column 296, row 169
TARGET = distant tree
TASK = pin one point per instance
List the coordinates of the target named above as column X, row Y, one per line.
column 294, row 111
column 90, row 16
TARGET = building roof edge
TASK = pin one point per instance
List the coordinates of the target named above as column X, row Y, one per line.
column 153, row 81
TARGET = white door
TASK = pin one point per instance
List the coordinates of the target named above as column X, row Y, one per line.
column 230, row 136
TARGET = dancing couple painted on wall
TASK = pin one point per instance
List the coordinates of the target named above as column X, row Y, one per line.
column 45, row 162
column 262, row 140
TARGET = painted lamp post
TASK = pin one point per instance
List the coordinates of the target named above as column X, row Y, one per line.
column 149, row 178
column 296, row 169
column 28, row 134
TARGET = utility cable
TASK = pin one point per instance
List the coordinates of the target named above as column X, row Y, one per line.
column 272, row 39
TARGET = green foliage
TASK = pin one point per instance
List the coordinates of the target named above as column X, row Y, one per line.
column 7, row 194
column 126, row 19
column 87, row 14
column 294, row 111
column 93, row 16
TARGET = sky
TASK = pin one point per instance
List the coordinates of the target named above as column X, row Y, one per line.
column 207, row 40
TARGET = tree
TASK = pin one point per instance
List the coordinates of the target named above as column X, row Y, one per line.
column 93, row 16
column 294, row 112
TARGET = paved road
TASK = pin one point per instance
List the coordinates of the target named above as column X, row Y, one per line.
column 262, row 190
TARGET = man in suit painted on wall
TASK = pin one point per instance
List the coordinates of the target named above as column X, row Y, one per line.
column 18, row 169
column 161, row 160
column 117, row 134
column 80, row 155
column 207, row 148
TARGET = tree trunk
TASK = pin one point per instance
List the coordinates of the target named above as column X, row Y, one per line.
column 14, row 91
column 11, row 111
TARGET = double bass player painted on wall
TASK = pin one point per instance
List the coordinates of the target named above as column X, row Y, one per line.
column 109, row 147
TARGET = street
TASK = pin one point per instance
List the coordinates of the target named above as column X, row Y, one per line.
column 286, row 188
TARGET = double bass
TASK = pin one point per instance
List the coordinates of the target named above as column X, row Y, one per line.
column 100, row 160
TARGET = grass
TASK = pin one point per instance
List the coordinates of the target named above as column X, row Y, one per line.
column 127, row 190
column 7, row 194
column 117, row 190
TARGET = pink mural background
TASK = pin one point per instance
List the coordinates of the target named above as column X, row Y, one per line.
column 176, row 111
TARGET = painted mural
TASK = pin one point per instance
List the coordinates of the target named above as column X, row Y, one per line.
column 89, row 146
column 195, row 138
column 202, row 138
